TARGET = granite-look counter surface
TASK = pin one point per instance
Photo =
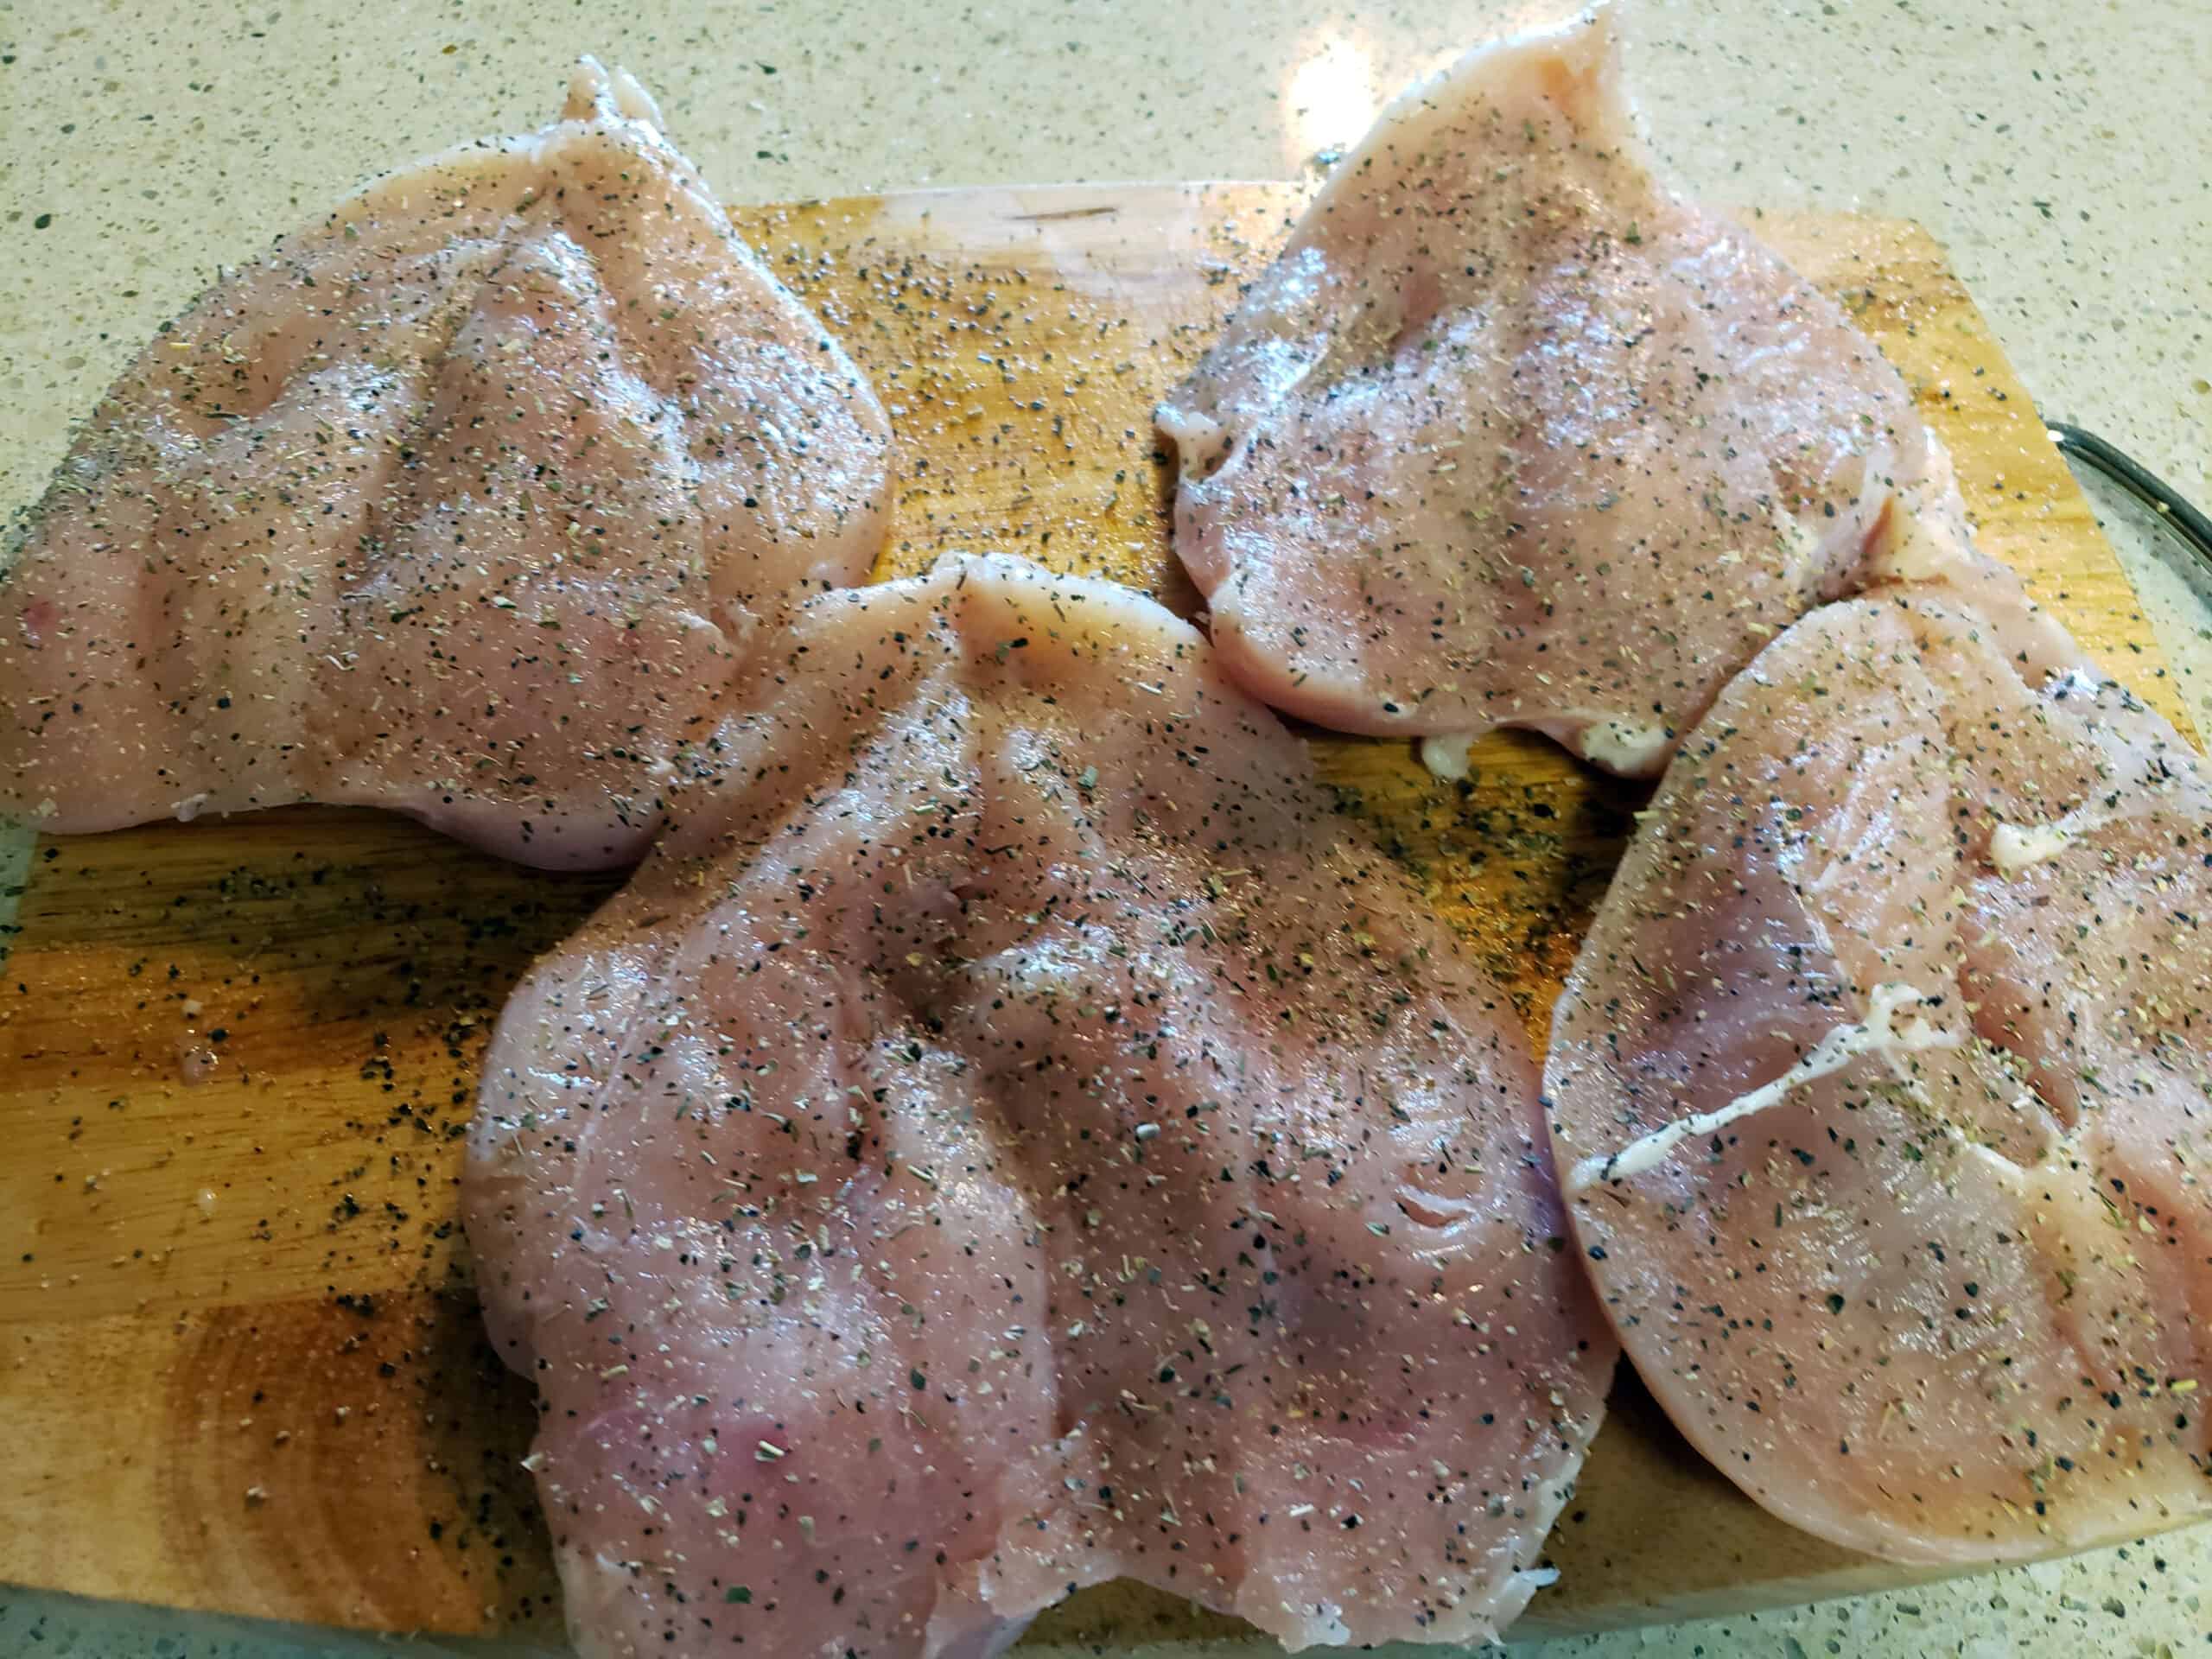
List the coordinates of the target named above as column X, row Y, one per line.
column 2063, row 153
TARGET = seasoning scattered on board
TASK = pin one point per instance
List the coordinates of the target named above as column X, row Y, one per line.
column 466, row 501
column 1512, row 435
column 1025, row 1139
column 1881, row 1085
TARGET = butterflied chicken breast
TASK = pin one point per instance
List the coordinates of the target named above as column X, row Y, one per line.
column 1513, row 435
column 465, row 501
column 1024, row 1139
column 1881, row 1089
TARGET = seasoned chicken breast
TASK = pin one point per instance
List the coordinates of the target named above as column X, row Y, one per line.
column 1513, row 434
column 465, row 501
column 1023, row 1139
column 1880, row 1089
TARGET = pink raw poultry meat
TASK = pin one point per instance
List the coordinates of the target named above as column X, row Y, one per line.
column 1025, row 1139
column 1883, row 1083
column 465, row 502
column 1512, row 435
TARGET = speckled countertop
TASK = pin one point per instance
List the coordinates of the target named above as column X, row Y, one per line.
column 2063, row 153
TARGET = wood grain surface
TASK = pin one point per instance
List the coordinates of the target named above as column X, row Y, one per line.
column 239, row 1364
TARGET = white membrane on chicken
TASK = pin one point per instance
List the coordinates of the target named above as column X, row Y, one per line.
column 464, row 501
column 1025, row 1138
column 1513, row 435
column 1881, row 1089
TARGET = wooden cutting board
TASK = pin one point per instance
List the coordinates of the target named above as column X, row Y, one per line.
column 239, row 1366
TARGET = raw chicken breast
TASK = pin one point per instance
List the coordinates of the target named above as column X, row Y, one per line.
column 463, row 502
column 1025, row 1140
column 1881, row 1086
column 1511, row 435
